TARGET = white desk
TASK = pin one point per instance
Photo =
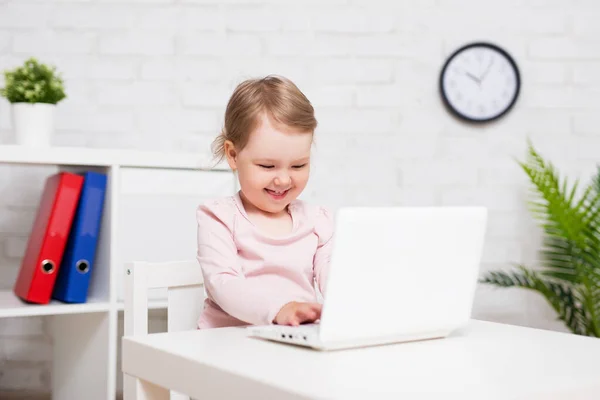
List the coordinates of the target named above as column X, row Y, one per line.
column 482, row 361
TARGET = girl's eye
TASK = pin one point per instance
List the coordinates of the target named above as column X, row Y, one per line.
column 299, row 166
column 265, row 166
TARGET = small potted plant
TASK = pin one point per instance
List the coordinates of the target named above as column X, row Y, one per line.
column 33, row 90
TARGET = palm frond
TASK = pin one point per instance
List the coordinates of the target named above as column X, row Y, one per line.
column 553, row 204
column 596, row 180
column 561, row 259
column 560, row 296
column 595, row 304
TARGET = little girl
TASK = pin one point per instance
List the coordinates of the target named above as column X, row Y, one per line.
column 263, row 252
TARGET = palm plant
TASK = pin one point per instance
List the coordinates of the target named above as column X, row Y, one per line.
column 569, row 274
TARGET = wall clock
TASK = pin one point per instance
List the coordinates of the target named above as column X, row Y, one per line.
column 479, row 82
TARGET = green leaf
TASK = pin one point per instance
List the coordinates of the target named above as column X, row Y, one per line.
column 596, row 181
column 560, row 296
column 33, row 83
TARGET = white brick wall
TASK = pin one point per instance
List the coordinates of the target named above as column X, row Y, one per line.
column 157, row 74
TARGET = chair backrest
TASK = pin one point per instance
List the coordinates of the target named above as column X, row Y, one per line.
column 185, row 298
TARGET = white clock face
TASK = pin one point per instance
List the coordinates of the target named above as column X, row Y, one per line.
column 480, row 83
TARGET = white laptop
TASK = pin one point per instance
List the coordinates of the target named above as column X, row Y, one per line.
column 397, row 274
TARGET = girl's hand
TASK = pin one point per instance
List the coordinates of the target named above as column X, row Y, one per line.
column 296, row 313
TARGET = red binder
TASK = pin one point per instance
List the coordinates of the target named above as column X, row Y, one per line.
column 48, row 237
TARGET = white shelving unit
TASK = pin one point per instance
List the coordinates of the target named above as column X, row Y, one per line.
column 149, row 214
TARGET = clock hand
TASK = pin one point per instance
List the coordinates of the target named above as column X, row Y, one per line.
column 486, row 70
column 473, row 77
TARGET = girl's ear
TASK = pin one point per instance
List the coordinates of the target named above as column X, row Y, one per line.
column 231, row 154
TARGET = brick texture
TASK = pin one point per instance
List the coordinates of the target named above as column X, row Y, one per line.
column 156, row 74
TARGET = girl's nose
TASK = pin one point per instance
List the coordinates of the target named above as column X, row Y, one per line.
column 282, row 180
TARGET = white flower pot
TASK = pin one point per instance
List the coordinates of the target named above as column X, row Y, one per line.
column 33, row 123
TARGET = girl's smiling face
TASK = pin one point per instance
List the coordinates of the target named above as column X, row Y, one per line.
column 274, row 166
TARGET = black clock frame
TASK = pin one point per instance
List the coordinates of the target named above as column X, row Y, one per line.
column 444, row 96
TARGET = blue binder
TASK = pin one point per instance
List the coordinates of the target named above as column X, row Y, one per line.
column 75, row 270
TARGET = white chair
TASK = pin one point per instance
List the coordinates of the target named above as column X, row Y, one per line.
column 185, row 291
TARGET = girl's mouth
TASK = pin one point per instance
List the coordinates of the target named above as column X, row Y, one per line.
column 277, row 194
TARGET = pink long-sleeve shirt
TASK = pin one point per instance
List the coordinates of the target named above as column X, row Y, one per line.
column 248, row 274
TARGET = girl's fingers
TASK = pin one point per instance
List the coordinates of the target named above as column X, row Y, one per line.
column 308, row 313
column 317, row 309
column 301, row 313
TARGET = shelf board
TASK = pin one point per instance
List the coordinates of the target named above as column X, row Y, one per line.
column 12, row 306
column 153, row 304
column 85, row 156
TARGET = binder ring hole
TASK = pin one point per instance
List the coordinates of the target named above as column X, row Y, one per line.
column 83, row 266
column 47, row 266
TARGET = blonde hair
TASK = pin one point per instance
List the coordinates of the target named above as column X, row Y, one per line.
column 278, row 96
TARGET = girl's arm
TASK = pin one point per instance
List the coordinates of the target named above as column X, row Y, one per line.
column 324, row 229
column 247, row 299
